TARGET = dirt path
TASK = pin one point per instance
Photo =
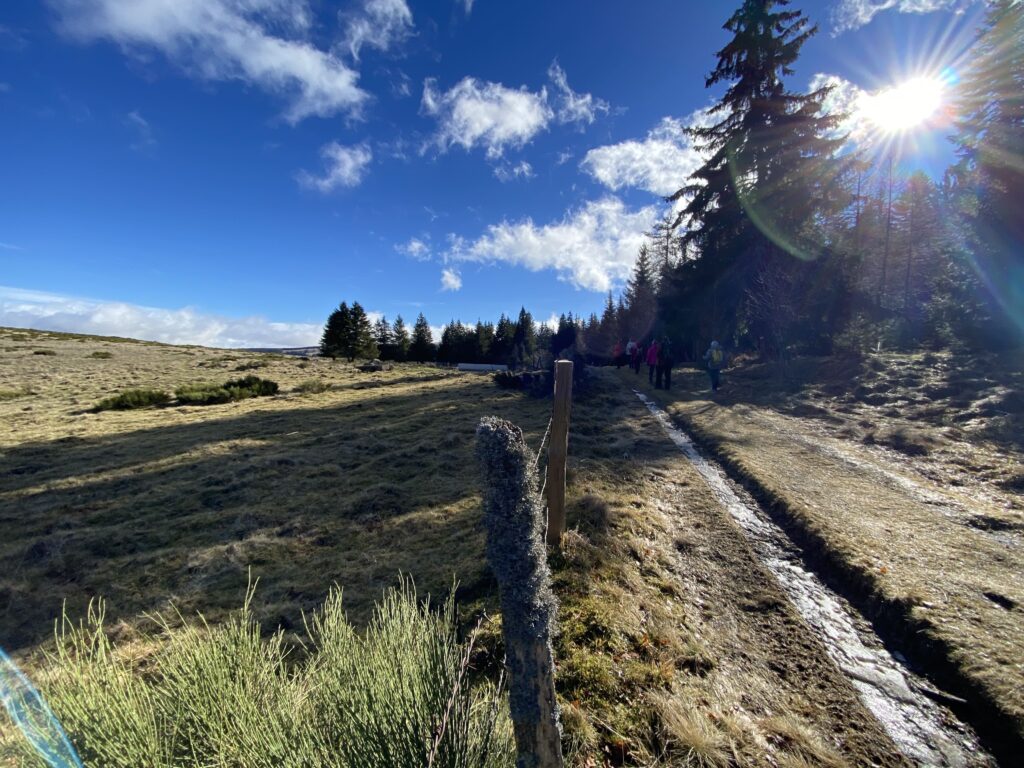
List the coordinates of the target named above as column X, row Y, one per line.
column 651, row 539
column 908, row 551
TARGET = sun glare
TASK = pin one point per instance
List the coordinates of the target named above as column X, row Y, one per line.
column 903, row 107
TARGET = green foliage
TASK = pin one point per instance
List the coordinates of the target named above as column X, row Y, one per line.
column 100, row 355
column 225, row 695
column 252, row 365
column 47, row 352
column 348, row 333
column 235, row 389
column 131, row 399
column 400, row 340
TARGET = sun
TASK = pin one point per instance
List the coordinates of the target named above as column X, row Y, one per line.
column 903, row 107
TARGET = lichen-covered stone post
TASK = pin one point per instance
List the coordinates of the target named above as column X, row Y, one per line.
column 513, row 517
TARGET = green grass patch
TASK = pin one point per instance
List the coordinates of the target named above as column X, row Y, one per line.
column 229, row 695
column 235, row 389
column 131, row 399
column 101, row 355
column 251, row 365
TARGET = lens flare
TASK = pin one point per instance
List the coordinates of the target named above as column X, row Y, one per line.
column 903, row 107
column 33, row 717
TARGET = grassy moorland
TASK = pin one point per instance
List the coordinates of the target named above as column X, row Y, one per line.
column 901, row 475
column 676, row 646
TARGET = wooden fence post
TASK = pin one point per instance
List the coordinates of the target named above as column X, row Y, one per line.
column 557, row 450
column 517, row 556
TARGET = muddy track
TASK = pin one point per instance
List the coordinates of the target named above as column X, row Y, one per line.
column 944, row 639
column 925, row 732
column 759, row 640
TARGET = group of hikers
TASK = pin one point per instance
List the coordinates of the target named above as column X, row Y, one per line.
column 659, row 358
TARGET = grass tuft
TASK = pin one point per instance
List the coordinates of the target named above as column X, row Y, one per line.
column 47, row 352
column 398, row 695
column 131, row 399
column 101, row 355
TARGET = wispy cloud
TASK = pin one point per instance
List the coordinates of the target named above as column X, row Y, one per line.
column 346, row 167
column 5, row 87
column 572, row 107
column 144, row 139
column 379, row 24
column 853, row 14
column 591, row 247
column 415, row 248
column 52, row 312
column 660, row 163
column 451, row 280
column 506, row 172
column 467, row 5
column 11, row 247
column 261, row 42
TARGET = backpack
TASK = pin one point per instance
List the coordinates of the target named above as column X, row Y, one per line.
column 717, row 356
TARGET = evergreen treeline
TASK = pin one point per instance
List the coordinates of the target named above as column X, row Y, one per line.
column 350, row 334
column 786, row 242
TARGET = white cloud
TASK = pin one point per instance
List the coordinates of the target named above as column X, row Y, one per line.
column 660, row 163
column 853, row 14
column 451, row 280
column 378, row 24
column 563, row 158
column 52, row 312
column 467, row 5
column 11, row 247
column 573, row 107
column 415, row 248
column 477, row 113
column 346, row 167
column 260, row 42
column 506, row 172
column 592, row 247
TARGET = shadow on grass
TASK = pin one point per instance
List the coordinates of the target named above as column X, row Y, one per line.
column 348, row 493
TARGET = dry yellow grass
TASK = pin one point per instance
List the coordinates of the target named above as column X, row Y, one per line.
column 660, row 659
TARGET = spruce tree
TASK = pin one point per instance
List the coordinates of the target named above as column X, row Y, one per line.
column 524, row 342
column 336, row 332
column 401, row 341
column 769, row 169
column 359, row 340
column 383, row 338
column 640, row 297
column 421, row 349
column 504, row 340
column 990, row 140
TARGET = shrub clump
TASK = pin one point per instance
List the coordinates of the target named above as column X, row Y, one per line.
column 11, row 394
column 398, row 695
column 48, row 352
column 235, row 389
column 250, row 366
column 131, row 399
column 100, row 355
column 312, row 386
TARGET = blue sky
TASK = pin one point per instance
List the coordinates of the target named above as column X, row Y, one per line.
column 226, row 171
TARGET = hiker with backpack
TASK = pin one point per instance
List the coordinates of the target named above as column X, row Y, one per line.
column 651, row 360
column 715, row 357
column 663, row 380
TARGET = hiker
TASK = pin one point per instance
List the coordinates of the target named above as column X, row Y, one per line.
column 638, row 359
column 652, row 361
column 633, row 350
column 716, row 360
column 665, row 363
column 617, row 354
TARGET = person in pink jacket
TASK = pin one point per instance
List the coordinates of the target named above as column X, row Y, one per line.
column 652, row 361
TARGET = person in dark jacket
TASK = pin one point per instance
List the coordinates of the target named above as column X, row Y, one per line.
column 665, row 363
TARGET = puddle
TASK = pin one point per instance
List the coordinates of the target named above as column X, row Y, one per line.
column 925, row 732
